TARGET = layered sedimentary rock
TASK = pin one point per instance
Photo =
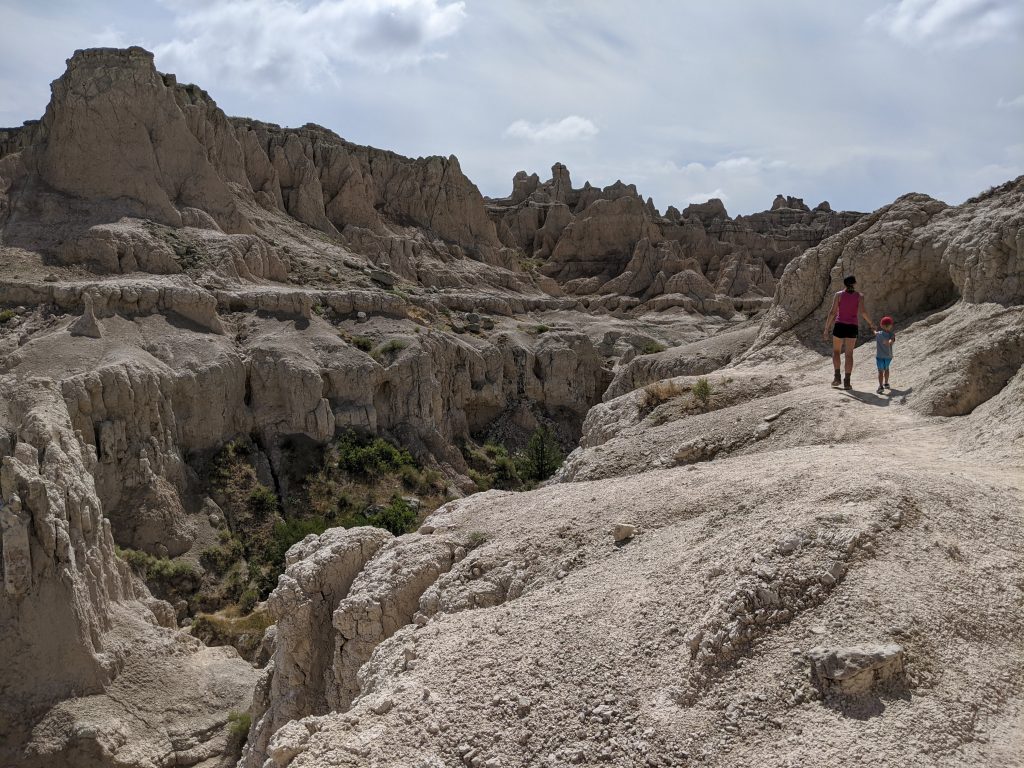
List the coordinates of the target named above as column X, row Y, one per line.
column 78, row 621
column 611, row 242
column 185, row 278
column 909, row 257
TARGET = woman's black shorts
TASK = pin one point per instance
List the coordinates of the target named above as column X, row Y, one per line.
column 844, row 331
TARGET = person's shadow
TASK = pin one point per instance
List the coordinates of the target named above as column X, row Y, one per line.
column 881, row 401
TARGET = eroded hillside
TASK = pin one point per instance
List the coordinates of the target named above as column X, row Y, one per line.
column 220, row 338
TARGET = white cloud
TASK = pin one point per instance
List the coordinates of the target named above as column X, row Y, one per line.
column 954, row 23
column 278, row 42
column 703, row 197
column 571, row 128
column 1017, row 103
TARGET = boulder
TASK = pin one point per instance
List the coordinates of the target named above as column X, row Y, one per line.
column 856, row 670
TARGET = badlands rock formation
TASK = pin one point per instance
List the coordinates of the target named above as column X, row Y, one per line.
column 783, row 574
column 610, row 244
column 836, row 614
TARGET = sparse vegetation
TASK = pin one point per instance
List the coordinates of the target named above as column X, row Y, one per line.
column 476, row 539
column 703, row 391
column 389, row 348
column 652, row 348
column 541, row 457
column 339, row 485
column 239, row 627
column 168, row 579
column 6, row 315
column 658, row 392
column 494, row 467
column 370, row 460
column 238, row 730
column 539, row 329
column 362, row 343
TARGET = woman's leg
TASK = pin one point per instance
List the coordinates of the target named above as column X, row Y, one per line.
column 848, row 345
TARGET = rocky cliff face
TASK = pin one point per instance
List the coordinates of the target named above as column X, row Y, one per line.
column 181, row 279
column 612, row 245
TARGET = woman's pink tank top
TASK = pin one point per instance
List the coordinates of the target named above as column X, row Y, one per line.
column 849, row 301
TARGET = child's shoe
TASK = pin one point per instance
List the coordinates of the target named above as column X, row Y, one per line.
column 836, row 381
column 880, row 390
column 886, row 385
column 846, row 382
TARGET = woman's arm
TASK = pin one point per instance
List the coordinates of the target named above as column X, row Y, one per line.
column 865, row 315
column 831, row 316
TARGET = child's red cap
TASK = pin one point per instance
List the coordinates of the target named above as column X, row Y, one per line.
column 886, row 320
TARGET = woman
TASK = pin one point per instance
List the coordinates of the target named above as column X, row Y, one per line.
column 846, row 305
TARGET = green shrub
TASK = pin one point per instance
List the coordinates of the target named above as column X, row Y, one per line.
column 397, row 516
column 495, row 451
column 219, row 560
column 361, row 343
column 506, row 475
column 248, row 599
column 262, row 502
column 541, row 457
column 389, row 348
column 652, row 348
column 168, row 579
column 482, row 480
column 238, row 729
column 539, row 329
column 370, row 459
column 476, row 539
column 703, row 391
column 6, row 315
column 424, row 482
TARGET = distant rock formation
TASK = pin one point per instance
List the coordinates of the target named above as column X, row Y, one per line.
column 183, row 162
column 611, row 243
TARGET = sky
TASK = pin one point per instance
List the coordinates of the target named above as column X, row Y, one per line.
column 854, row 102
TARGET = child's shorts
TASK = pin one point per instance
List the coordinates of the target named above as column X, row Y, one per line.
column 883, row 363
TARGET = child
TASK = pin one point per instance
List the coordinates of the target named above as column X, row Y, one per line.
column 884, row 339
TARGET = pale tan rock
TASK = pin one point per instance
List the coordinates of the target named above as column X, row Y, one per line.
column 856, row 670
column 86, row 325
column 154, row 163
column 320, row 572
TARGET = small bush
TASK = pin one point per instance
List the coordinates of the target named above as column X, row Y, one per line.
column 370, row 459
column 361, row 343
column 238, row 729
column 220, row 559
column 539, row 329
column 389, row 348
column 481, row 479
column 262, row 502
column 248, row 599
column 495, row 451
column 652, row 348
column 541, row 457
column 397, row 516
column 703, row 391
column 423, row 482
column 168, row 579
column 506, row 475
column 6, row 315
column 476, row 539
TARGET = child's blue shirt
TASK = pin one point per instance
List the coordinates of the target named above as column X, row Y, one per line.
column 882, row 348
